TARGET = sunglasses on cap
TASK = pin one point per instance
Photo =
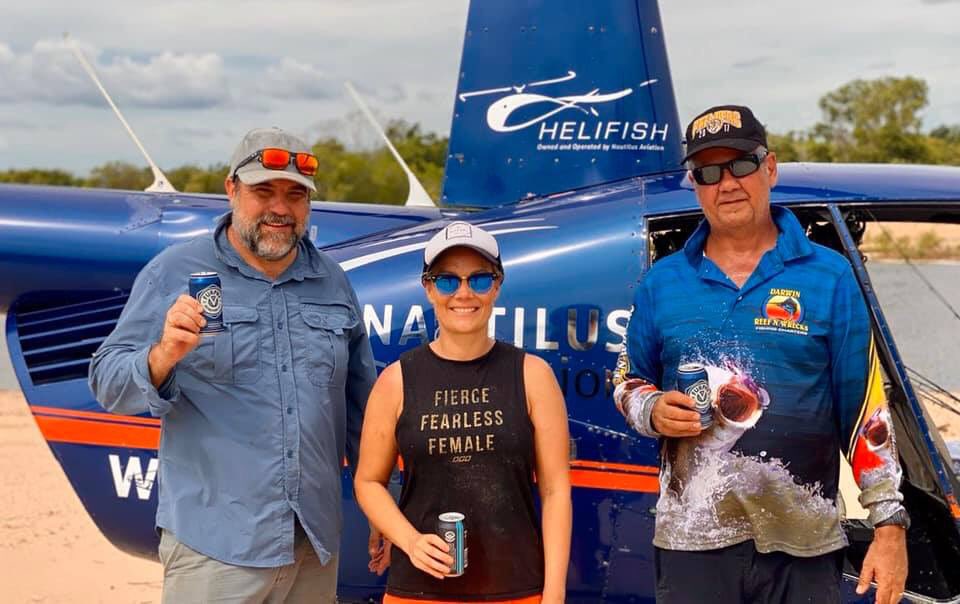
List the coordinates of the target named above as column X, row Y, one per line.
column 745, row 165
column 279, row 159
column 447, row 284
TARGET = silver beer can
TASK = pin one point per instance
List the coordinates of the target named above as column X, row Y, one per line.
column 451, row 529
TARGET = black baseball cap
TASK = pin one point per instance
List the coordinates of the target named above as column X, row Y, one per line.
column 729, row 126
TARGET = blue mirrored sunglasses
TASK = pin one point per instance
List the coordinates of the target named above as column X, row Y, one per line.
column 447, row 284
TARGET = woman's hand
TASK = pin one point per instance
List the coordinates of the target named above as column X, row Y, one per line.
column 429, row 553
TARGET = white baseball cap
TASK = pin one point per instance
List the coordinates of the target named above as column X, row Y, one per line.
column 457, row 234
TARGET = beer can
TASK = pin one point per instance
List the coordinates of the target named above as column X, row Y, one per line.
column 692, row 381
column 451, row 529
column 205, row 288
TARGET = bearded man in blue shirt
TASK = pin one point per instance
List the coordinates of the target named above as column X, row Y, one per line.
column 256, row 420
column 778, row 328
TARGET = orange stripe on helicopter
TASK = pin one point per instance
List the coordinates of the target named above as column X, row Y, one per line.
column 106, row 430
column 100, row 433
column 615, row 481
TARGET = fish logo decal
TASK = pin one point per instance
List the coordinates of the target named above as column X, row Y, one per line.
column 500, row 110
column 784, row 308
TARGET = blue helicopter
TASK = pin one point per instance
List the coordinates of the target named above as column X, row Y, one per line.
column 566, row 145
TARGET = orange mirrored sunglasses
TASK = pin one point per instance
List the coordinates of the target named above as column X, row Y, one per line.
column 279, row 159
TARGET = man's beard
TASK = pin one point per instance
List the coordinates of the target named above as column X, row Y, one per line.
column 269, row 246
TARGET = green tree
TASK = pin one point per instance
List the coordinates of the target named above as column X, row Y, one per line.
column 119, row 175
column 789, row 146
column 875, row 121
column 374, row 175
column 38, row 176
column 194, row 179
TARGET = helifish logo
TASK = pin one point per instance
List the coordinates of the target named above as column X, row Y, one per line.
column 500, row 110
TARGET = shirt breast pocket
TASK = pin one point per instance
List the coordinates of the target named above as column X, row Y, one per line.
column 327, row 341
column 243, row 325
column 230, row 357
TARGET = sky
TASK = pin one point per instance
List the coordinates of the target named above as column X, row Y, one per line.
column 191, row 76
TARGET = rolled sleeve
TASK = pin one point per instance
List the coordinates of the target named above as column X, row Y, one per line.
column 119, row 372
column 159, row 400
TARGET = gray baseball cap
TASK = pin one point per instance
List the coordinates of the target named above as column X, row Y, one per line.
column 259, row 139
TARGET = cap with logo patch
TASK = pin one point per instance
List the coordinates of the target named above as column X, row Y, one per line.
column 259, row 139
column 728, row 126
column 457, row 234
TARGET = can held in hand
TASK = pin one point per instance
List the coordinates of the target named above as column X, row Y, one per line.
column 205, row 288
column 692, row 381
column 451, row 529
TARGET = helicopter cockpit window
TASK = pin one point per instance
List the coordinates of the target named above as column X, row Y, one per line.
column 911, row 254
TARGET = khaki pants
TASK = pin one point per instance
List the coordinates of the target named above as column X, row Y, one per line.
column 190, row 577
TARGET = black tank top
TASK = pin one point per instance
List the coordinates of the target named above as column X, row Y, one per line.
column 466, row 441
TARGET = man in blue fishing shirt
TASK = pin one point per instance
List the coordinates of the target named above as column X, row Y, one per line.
column 778, row 328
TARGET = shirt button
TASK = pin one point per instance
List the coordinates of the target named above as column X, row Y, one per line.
column 289, row 454
column 289, row 410
column 280, row 325
column 283, row 368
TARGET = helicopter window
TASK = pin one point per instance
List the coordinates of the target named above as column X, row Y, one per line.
column 668, row 234
column 912, row 257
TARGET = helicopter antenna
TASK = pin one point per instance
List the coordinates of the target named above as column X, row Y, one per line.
column 417, row 195
column 161, row 184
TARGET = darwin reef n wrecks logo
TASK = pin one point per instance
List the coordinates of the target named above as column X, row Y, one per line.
column 782, row 312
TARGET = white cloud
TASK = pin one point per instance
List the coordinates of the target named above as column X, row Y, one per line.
column 229, row 67
column 169, row 80
column 293, row 78
column 49, row 73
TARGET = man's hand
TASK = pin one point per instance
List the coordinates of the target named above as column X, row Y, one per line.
column 379, row 550
column 675, row 415
column 181, row 334
column 885, row 563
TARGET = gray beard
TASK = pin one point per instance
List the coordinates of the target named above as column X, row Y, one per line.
column 271, row 246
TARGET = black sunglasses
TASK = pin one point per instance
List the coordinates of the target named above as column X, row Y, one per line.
column 745, row 165
column 447, row 284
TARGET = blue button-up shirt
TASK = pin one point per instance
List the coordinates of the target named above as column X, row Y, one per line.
column 255, row 420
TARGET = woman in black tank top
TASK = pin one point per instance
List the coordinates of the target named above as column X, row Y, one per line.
column 473, row 421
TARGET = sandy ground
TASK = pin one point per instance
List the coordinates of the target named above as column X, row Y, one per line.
column 50, row 550
column 947, row 422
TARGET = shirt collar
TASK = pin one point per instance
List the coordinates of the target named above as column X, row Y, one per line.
column 306, row 265
column 792, row 242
